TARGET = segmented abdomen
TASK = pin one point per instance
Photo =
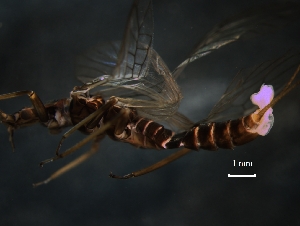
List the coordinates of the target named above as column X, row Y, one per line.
column 210, row 136
column 214, row 135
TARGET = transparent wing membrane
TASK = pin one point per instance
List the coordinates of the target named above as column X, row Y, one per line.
column 247, row 24
column 121, row 62
column 97, row 61
column 133, row 57
column 160, row 91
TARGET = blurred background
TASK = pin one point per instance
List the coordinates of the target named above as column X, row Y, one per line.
column 38, row 44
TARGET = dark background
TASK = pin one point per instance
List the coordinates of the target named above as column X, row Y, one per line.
column 38, row 45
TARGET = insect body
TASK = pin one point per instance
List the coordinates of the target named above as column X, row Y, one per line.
column 143, row 92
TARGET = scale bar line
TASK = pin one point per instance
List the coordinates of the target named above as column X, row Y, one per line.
column 254, row 175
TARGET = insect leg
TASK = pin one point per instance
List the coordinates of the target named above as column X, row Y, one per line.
column 92, row 136
column 155, row 166
column 10, row 120
column 35, row 100
column 94, row 117
column 71, row 165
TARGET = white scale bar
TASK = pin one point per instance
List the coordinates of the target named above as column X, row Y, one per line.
column 254, row 175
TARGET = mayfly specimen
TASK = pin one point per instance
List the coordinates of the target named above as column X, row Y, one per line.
column 143, row 92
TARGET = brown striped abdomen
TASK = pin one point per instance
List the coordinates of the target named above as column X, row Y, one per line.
column 143, row 132
column 214, row 135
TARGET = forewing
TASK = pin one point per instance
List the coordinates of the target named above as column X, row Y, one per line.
column 247, row 24
column 133, row 57
column 235, row 102
column 119, row 62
